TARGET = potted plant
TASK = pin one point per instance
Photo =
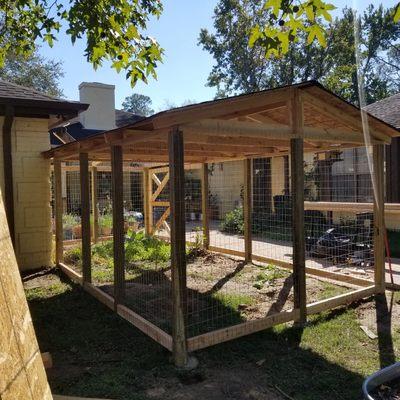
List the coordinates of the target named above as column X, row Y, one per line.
column 77, row 229
column 106, row 223
column 69, row 222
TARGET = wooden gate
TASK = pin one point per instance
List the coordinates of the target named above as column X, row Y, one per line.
column 157, row 200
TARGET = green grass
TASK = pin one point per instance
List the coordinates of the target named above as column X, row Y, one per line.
column 269, row 273
column 233, row 301
column 101, row 355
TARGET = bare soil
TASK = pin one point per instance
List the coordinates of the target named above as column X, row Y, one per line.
column 221, row 291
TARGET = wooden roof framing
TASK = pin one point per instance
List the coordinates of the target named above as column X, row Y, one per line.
column 246, row 126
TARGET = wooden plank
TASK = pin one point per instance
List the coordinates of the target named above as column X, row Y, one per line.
column 118, row 223
column 160, row 203
column 71, row 273
column 146, row 200
column 247, row 217
column 146, row 327
column 340, row 300
column 178, row 246
column 239, row 330
column 297, row 195
column 379, row 216
column 272, row 132
column 162, row 220
column 58, row 211
column 204, row 205
column 85, row 216
column 100, row 295
column 390, row 208
column 95, row 206
column 8, row 171
column 160, row 187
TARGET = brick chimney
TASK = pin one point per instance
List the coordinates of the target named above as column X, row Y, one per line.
column 101, row 113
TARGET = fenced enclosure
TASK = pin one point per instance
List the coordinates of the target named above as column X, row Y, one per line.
column 211, row 232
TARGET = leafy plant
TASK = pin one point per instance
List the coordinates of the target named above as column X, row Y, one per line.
column 106, row 221
column 269, row 274
column 114, row 30
column 233, row 221
column 70, row 220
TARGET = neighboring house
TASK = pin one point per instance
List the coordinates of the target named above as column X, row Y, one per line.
column 388, row 110
column 25, row 117
column 99, row 117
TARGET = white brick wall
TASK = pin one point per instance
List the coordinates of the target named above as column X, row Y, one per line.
column 33, row 236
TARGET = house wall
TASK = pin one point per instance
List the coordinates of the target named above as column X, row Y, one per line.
column 226, row 182
column 31, row 174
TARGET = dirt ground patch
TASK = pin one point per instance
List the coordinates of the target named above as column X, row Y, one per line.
column 221, row 291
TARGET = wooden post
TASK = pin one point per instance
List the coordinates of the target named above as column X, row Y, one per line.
column 178, row 244
column 58, row 210
column 146, row 201
column 204, row 205
column 118, row 223
column 8, row 170
column 297, row 194
column 85, row 217
column 379, row 217
column 247, row 210
column 95, row 206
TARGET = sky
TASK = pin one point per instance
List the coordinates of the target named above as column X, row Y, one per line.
column 183, row 74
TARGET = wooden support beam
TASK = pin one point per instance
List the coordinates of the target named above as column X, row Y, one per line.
column 95, row 206
column 8, row 171
column 58, row 211
column 204, row 205
column 148, row 210
column 379, row 216
column 178, row 246
column 118, row 223
column 247, row 210
column 297, row 194
column 239, row 330
column 85, row 216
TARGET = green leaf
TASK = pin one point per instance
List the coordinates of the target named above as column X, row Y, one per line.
column 396, row 17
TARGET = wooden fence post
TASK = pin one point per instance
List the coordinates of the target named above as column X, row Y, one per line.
column 178, row 245
column 297, row 194
column 85, row 217
column 58, row 211
column 379, row 217
column 204, row 205
column 146, row 201
column 95, row 208
column 247, row 211
column 118, row 223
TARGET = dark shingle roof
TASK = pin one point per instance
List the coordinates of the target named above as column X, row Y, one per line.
column 77, row 131
column 388, row 110
column 20, row 96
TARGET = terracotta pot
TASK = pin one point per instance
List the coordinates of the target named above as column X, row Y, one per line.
column 106, row 231
column 77, row 231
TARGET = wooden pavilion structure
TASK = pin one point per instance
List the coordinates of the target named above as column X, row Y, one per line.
column 290, row 120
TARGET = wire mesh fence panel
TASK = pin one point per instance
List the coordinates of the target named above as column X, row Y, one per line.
column 339, row 231
column 72, row 228
column 147, row 258
column 272, row 209
column 193, row 210
column 226, row 182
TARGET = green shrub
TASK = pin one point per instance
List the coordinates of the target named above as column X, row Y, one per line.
column 233, row 221
column 140, row 247
column 73, row 256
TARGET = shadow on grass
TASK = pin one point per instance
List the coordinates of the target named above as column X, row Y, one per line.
column 384, row 329
column 98, row 354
